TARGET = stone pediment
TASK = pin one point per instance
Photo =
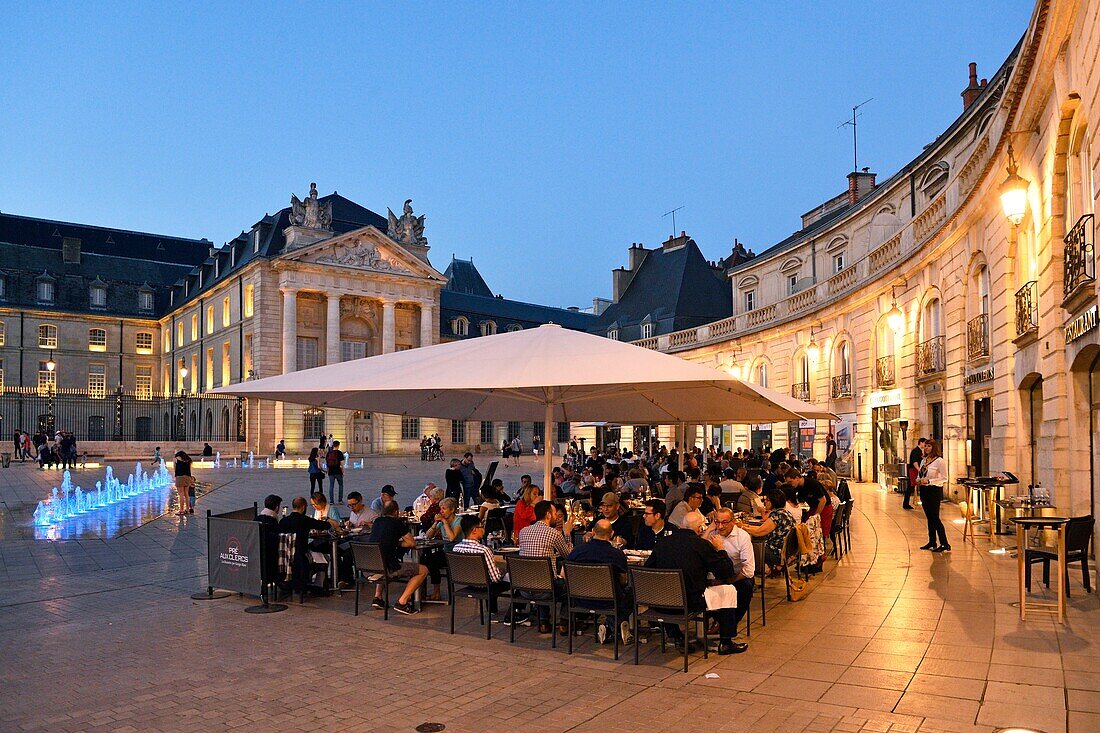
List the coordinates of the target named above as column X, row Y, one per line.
column 366, row 249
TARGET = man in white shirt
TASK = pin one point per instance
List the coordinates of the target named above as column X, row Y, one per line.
column 729, row 483
column 422, row 502
column 738, row 545
column 693, row 499
column 360, row 514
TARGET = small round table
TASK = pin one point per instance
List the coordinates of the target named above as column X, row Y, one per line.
column 1022, row 525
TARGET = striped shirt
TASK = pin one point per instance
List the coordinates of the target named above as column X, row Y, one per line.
column 470, row 547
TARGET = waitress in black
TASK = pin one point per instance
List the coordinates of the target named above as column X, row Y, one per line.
column 931, row 478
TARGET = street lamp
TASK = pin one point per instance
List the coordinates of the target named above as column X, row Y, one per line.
column 812, row 349
column 181, row 423
column 51, row 365
column 895, row 319
column 1014, row 192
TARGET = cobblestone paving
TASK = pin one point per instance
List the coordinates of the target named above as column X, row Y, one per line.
column 101, row 635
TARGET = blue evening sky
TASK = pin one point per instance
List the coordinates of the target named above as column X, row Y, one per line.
column 539, row 139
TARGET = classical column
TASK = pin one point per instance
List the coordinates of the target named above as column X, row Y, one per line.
column 427, row 331
column 332, row 334
column 389, row 327
column 290, row 329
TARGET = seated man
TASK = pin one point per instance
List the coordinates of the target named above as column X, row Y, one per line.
column 688, row 551
column 395, row 539
column 751, row 501
column 693, row 499
column 738, row 545
column 361, row 516
column 386, row 493
column 654, row 526
column 473, row 532
column 542, row 539
column 269, row 534
column 422, row 502
column 298, row 524
column 599, row 551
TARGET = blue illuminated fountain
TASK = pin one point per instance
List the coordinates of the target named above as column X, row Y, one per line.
column 67, row 502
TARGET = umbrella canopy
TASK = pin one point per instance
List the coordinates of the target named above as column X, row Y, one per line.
column 548, row 373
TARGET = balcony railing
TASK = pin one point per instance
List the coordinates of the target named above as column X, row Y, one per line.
column 884, row 371
column 842, row 386
column 1078, row 256
column 1027, row 308
column 801, row 391
column 977, row 337
column 931, row 357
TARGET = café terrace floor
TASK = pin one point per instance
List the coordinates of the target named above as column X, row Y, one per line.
column 101, row 635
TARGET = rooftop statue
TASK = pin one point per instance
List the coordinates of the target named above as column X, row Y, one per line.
column 310, row 213
column 409, row 229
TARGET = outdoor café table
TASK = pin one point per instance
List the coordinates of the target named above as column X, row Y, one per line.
column 1055, row 523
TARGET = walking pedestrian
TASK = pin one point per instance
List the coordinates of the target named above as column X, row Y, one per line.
column 334, row 459
column 184, row 481
column 316, row 472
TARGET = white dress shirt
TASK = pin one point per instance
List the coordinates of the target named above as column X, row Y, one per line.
column 739, row 548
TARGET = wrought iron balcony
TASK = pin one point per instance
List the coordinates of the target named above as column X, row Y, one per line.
column 801, row 391
column 842, row 386
column 1078, row 256
column 1027, row 308
column 884, row 371
column 977, row 337
column 931, row 357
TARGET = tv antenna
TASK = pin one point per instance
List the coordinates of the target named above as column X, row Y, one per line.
column 673, row 213
column 852, row 122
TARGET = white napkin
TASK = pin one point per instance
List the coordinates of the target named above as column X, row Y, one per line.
column 720, row 596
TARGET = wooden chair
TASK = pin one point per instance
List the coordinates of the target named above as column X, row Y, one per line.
column 663, row 594
column 970, row 515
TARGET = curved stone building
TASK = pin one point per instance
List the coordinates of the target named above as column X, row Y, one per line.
column 993, row 346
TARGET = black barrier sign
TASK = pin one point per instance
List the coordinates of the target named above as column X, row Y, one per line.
column 234, row 555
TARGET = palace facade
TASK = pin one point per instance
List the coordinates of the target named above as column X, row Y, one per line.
column 956, row 298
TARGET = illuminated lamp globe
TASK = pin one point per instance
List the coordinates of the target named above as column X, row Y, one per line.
column 1014, row 198
column 812, row 349
column 895, row 319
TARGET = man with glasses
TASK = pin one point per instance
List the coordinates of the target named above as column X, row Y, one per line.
column 738, row 545
column 361, row 516
column 473, row 531
column 655, row 527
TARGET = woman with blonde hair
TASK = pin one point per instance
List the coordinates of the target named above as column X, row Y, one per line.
column 525, row 509
column 931, row 478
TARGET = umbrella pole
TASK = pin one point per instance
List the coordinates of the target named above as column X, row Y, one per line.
column 547, row 452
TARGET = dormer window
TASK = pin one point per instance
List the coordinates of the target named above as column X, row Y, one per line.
column 97, row 294
column 488, row 328
column 647, row 330
column 44, row 289
column 145, row 300
column 3, row 287
column 613, row 334
column 460, row 326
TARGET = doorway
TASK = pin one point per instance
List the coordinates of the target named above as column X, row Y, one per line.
column 983, row 429
column 361, row 430
column 884, row 447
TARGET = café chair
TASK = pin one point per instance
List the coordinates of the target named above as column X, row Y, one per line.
column 370, row 566
column 468, row 577
column 762, row 574
column 1078, row 535
column 663, row 595
column 591, row 589
column 494, row 521
column 789, row 555
column 836, row 531
column 532, row 579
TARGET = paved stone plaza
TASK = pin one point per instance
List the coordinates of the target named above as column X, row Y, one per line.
column 101, row 635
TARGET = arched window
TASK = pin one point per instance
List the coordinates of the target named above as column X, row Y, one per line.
column 460, row 326
column 800, row 386
column 1079, row 182
column 762, row 374
column 884, row 364
column 841, row 386
column 514, row 327
column 647, row 330
column 613, row 334
column 488, row 328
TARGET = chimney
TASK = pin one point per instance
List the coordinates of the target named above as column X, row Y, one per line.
column 70, row 250
column 637, row 254
column 860, row 183
column 973, row 89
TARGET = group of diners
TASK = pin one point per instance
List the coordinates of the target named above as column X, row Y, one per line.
column 702, row 521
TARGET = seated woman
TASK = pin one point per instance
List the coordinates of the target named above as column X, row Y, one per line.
column 448, row 527
column 431, row 513
column 611, row 509
column 777, row 524
column 525, row 509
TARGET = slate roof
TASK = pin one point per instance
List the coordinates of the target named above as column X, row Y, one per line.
column 463, row 277
column 504, row 312
column 675, row 288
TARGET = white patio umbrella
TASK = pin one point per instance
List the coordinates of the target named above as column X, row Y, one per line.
column 548, row 373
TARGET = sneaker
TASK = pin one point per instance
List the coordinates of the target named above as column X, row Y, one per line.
column 406, row 608
column 601, row 633
column 379, row 604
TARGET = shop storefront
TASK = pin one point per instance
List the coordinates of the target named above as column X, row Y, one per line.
column 761, row 436
column 885, row 436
